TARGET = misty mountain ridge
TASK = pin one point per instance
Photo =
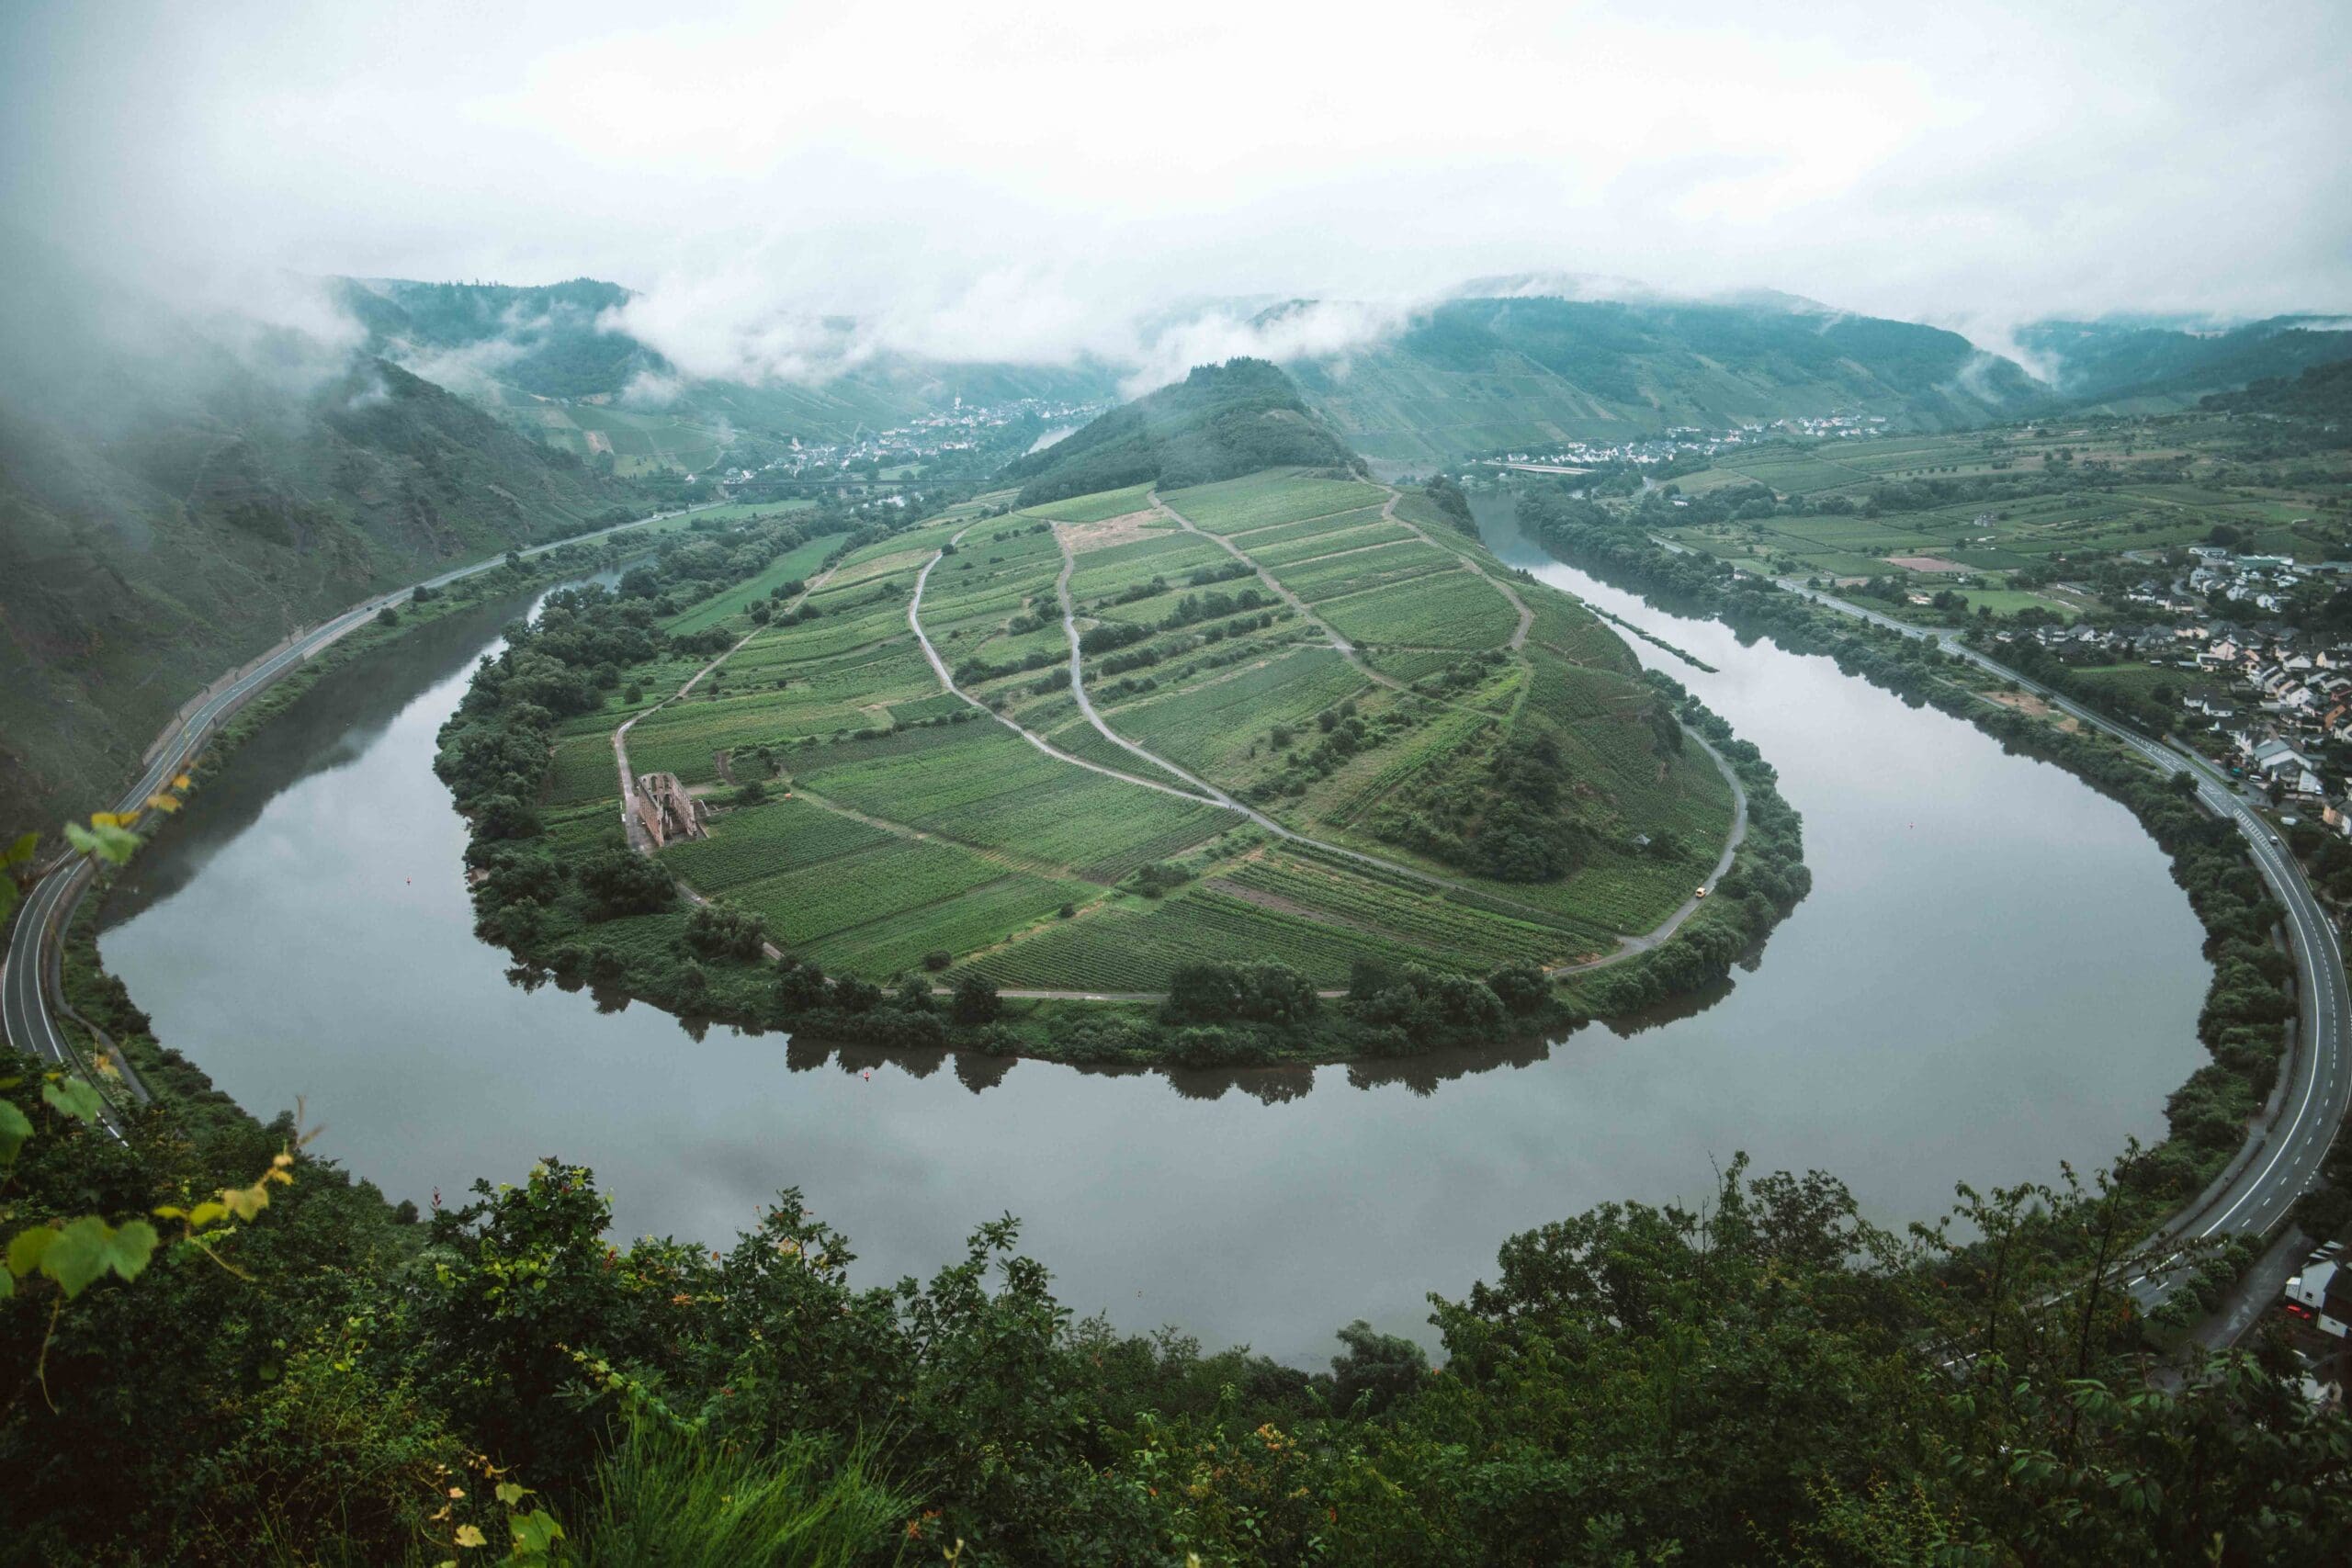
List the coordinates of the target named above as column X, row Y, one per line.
column 1600, row 288
column 1479, row 373
column 1514, row 360
column 551, row 337
column 1502, row 360
column 172, row 501
column 2141, row 365
column 511, row 346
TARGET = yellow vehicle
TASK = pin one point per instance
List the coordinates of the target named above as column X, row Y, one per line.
column 1702, row 893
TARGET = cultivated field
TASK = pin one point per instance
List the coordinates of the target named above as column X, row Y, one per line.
column 2105, row 490
column 1304, row 696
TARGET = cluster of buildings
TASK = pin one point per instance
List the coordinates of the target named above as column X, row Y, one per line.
column 2260, row 582
column 2318, row 1306
column 1691, row 440
column 961, row 428
column 2269, row 695
column 1827, row 427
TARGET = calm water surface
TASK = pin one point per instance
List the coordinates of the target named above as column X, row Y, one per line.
column 1994, row 972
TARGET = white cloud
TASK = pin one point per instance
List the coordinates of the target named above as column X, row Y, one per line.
column 1029, row 184
column 1324, row 330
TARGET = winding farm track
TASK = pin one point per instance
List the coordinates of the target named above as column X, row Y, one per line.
column 947, row 680
column 29, row 976
column 1200, row 791
column 1210, row 795
column 1219, row 797
column 1281, row 589
column 1526, row 616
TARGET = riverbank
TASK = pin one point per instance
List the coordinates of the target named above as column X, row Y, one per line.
column 2244, row 1019
column 86, row 994
column 558, row 889
column 1332, row 1192
column 215, row 721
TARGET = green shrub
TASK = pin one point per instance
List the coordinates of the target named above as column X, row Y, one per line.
column 667, row 1499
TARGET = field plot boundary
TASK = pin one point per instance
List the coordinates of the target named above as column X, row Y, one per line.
column 1223, row 897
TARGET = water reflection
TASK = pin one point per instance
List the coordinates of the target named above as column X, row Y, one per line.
column 1993, row 971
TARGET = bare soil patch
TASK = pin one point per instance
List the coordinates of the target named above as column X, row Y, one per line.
column 1123, row 529
column 2027, row 704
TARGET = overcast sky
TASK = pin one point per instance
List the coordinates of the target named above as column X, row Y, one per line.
column 1025, row 181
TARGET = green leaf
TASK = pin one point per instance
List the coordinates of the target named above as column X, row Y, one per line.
column 89, row 1247
column 534, row 1532
column 15, row 1125
column 25, row 1249
column 509, row 1493
column 21, row 850
column 110, row 841
column 72, row 1097
column 8, row 897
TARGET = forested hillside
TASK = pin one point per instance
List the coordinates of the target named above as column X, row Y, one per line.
column 552, row 345
column 1220, row 421
column 2320, row 400
column 1475, row 374
column 2145, row 368
column 170, row 506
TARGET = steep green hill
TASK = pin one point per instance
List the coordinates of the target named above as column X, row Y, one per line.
column 171, row 506
column 1220, row 421
column 2123, row 363
column 1473, row 375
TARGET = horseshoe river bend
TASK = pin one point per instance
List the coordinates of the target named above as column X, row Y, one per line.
column 1994, row 972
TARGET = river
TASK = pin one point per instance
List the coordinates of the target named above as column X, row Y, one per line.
column 1994, row 972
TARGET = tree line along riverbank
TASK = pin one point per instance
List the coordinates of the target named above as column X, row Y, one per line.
column 560, row 888
column 2243, row 1020
column 1762, row 1370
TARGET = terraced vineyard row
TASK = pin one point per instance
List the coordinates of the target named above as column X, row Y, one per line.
column 1424, row 920
column 958, row 924
column 1123, row 950
column 1451, row 610
column 897, row 877
column 1260, row 500
column 747, row 843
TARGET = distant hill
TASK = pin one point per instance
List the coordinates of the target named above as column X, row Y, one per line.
column 2126, row 363
column 1475, row 374
column 2320, row 395
column 1220, row 421
column 540, row 354
column 170, row 505
column 554, row 347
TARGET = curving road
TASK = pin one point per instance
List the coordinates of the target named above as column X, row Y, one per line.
column 2282, row 1158
column 28, row 974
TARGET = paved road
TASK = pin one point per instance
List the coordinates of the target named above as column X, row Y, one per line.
column 2281, row 1160
column 29, row 972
